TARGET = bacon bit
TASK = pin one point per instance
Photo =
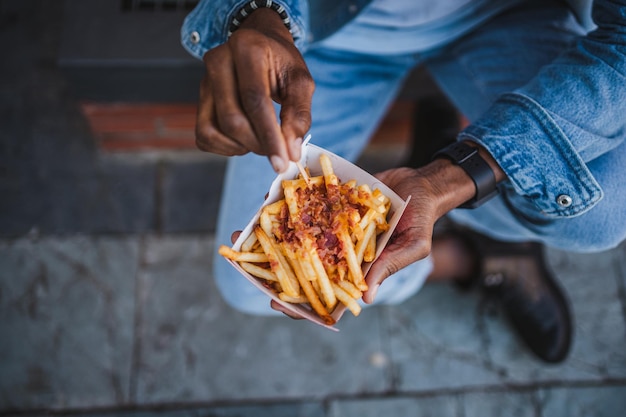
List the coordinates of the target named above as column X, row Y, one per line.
column 330, row 239
column 324, row 208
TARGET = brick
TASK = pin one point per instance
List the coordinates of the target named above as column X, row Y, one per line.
column 124, row 142
column 141, row 126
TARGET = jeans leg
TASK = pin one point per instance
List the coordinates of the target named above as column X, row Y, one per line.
column 352, row 94
column 501, row 56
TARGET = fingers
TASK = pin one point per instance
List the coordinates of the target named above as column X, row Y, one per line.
column 237, row 114
column 255, row 81
column 223, row 125
column 403, row 251
column 209, row 136
column 230, row 117
column 412, row 238
column 235, row 236
column 295, row 112
column 276, row 306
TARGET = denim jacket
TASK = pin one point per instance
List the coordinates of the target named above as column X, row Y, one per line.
column 542, row 141
column 309, row 24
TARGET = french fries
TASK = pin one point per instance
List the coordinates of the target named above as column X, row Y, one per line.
column 310, row 246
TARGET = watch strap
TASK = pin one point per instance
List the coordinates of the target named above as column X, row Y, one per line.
column 253, row 5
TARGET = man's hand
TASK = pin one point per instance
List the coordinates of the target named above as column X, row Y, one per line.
column 434, row 189
column 259, row 64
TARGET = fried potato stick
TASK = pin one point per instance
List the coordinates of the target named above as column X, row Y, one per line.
column 327, row 169
column 322, row 277
column 258, row 271
column 346, row 299
column 266, row 223
column 294, row 300
column 354, row 266
column 289, row 190
column 279, row 264
column 362, row 244
column 370, row 249
column 248, row 244
column 305, row 279
column 349, row 287
column 300, row 272
column 274, row 208
column 229, row 253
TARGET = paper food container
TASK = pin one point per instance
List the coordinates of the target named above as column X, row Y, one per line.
column 345, row 171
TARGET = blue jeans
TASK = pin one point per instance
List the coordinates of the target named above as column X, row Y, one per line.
column 353, row 92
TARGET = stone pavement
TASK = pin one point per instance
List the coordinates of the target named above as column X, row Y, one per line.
column 133, row 325
column 108, row 308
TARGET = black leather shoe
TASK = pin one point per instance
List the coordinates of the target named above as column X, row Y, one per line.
column 517, row 274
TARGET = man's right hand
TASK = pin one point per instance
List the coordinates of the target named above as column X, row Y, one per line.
column 259, row 64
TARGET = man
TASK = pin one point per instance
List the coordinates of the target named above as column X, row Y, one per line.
column 546, row 98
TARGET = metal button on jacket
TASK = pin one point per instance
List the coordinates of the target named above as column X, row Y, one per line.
column 194, row 37
column 564, row 200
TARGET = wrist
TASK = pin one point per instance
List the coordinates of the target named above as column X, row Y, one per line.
column 255, row 10
column 478, row 166
column 447, row 183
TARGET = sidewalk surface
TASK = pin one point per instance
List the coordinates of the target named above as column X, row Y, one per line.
column 108, row 308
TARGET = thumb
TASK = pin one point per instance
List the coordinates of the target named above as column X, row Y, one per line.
column 402, row 251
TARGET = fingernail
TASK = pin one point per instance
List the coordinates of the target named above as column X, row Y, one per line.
column 373, row 292
column 376, row 287
column 296, row 147
column 277, row 163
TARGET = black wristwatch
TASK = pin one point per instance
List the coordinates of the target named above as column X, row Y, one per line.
column 468, row 158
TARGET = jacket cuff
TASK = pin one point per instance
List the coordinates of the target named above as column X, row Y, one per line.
column 207, row 26
column 539, row 160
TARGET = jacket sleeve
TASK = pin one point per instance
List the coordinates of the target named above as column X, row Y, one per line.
column 573, row 111
column 207, row 25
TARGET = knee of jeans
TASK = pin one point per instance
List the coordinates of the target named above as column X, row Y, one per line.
column 587, row 234
column 604, row 242
column 240, row 294
column 248, row 303
column 254, row 306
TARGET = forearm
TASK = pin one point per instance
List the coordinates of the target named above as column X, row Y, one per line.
column 544, row 134
column 583, row 92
